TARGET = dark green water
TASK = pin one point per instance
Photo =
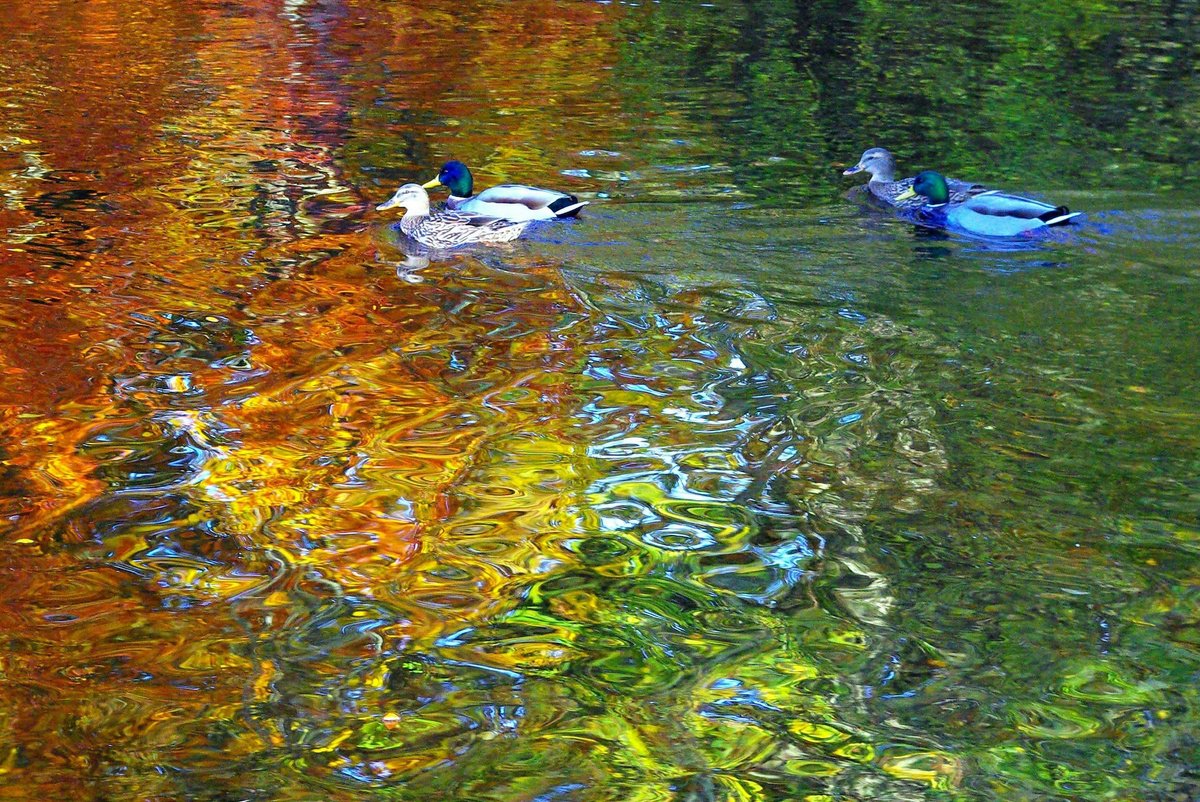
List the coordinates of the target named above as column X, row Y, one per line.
column 735, row 488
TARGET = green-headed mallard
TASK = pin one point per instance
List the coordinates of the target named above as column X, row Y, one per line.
column 446, row 229
column 881, row 166
column 985, row 214
column 514, row 202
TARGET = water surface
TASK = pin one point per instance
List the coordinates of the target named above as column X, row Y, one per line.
column 735, row 488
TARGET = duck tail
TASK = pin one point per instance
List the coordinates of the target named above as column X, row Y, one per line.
column 1058, row 216
column 568, row 206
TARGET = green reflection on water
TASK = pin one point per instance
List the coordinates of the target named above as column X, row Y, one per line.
column 1063, row 96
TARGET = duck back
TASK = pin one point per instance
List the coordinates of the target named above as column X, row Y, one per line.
column 518, row 202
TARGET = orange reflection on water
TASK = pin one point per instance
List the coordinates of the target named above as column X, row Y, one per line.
column 215, row 405
column 285, row 515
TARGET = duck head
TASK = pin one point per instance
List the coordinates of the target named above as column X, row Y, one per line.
column 879, row 162
column 412, row 197
column 456, row 177
column 930, row 184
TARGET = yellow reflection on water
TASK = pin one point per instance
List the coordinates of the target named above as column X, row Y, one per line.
column 278, row 507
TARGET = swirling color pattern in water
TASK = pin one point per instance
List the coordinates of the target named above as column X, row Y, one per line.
column 682, row 501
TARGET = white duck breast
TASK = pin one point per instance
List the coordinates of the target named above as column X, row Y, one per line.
column 517, row 202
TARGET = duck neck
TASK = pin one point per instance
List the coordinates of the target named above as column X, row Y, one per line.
column 461, row 184
column 883, row 172
column 413, row 218
column 939, row 194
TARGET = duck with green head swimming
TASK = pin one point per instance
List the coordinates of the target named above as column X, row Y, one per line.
column 984, row 214
column 515, row 202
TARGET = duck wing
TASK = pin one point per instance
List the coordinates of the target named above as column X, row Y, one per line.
column 529, row 197
column 502, row 230
column 453, row 216
column 538, row 203
column 1001, row 204
column 964, row 188
column 998, row 214
column 962, row 191
column 450, row 229
column 464, row 218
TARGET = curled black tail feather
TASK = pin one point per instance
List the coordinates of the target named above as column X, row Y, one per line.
column 565, row 202
column 1055, row 216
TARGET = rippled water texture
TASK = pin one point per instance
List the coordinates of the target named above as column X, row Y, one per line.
column 733, row 489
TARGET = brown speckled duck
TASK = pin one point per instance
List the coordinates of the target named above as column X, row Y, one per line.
column 443, row 229
column 881, row 166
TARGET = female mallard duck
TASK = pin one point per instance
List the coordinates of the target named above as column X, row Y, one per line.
column 986, row 214
column 446, row 229
column 514, row 202
column 883, row 185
